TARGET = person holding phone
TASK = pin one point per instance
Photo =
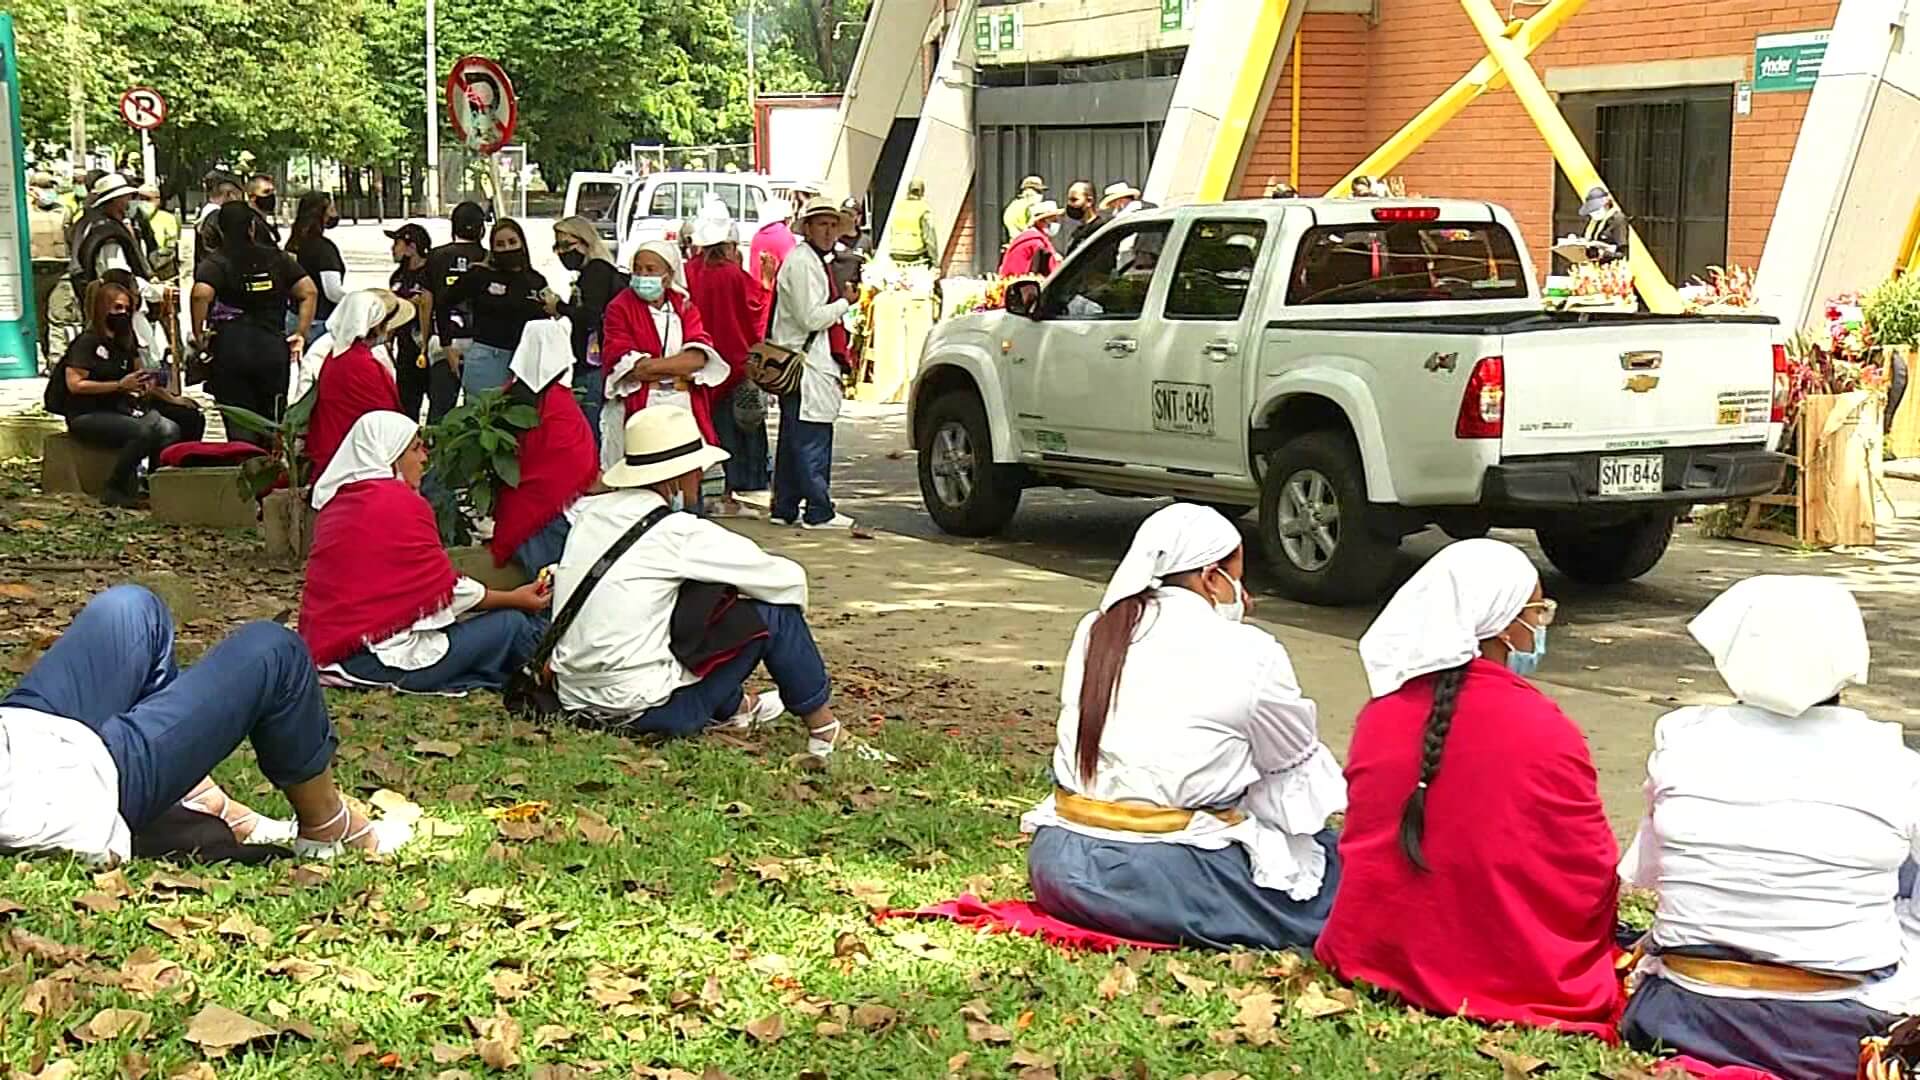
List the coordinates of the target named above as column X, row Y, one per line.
column 110, row 401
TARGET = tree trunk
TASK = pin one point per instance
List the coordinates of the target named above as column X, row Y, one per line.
column 820, row 14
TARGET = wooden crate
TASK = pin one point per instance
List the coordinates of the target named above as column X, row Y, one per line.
column 1831, row 479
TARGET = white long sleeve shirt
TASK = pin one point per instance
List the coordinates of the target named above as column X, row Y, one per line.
column 59, row 789
column 1782, row 838
column 804, row 305
column 615, row 658
column 1208, row 715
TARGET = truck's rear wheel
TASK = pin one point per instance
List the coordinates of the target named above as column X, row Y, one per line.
column 1315, row 523
column 964, row 492
column 1609, row 555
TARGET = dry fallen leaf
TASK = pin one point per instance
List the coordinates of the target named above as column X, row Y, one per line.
column 1120, row 981
column 768, row 1029
column 485, row 897
column 445, row 1054
column 300, row 971
column 497, row 1040
column 875, row 1018
column 593, row 828
column 988, row 1033
column 550, row 1035
column 445, row 748
column 727, row 882
column 509, row 985
column 1191, row 983
column 238, row 925
column 97, row 902
column 164, row 881
column 1315, row 1002
column 394, row 805
column 217, row 1029
column 110, row 1024
column 1513, row 1066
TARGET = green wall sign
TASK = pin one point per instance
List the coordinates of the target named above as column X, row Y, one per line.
column 1788, row 61
column 17, row 360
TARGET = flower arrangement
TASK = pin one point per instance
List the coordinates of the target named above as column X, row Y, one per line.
column 1597, row 282
column 882, row 274
column 1726, row 288
column 1835, row 358
column 995, row 296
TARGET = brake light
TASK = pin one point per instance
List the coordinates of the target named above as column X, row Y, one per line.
column 1483, row 408
column 1782, row 386
column 1406, row 213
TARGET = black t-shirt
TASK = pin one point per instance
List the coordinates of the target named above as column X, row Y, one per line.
column 260, row 296
column 502, row 304
column 446, row 265
column 409, row 284
column 318, row 254
column 99, row 359
column 599, row 282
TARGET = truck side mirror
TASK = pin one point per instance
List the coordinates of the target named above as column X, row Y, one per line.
column 1023, row 299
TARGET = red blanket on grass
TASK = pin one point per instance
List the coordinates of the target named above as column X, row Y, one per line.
column 1021, row 917
column 350, row 386
column 558, row 462
column 376, row 568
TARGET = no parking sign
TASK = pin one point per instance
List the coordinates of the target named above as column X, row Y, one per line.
column 480, row 104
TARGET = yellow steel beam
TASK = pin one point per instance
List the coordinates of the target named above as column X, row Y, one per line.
column 1485, row 76
column 1910, row 244
column 1293, row 114
column 1223, row 157
column 1655, row 290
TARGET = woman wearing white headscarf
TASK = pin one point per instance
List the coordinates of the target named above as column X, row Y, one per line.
column 353, row 380
column 1192, row 791
column 656, row 350
column 382, row 603
column 1477, row 859
column 558, row 460
column 1776, row 832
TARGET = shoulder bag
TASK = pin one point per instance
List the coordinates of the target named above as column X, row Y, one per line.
column 776, row 368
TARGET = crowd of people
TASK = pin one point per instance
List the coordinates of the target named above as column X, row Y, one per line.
column 1041, row 232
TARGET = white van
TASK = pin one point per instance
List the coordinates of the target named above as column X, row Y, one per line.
column 629, row 211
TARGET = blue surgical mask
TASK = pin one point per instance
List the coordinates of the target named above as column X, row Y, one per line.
column 649, row 287
column 1524, row 664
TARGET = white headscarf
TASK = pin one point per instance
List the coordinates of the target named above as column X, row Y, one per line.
column 669, row 253
column 545, row 353
column 1175, row 539
column 1466, row 594
column 372, row 448
column 1785, row 643
column 358, row 315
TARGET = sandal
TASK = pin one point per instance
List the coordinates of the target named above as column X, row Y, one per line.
column 261, row 829
column 389, row 835
column 756, row 712
column 820, row 740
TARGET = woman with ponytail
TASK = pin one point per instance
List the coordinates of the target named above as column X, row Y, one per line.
column 1478, row 864
column 1192, row 791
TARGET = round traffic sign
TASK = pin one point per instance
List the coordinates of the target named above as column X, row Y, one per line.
column 480, row 104
column 143, row 107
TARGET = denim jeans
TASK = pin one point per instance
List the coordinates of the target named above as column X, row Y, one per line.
column 746, row 463
column 481, row 653
column 483, row 367
column 443, row 391
column 137, row 437
column 590, row 390
column 114, row 671
column 544, row 548
column 791, row 659
column 801, row 466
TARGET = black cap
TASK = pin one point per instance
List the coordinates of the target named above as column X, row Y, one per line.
column 413, row 234
column 469, row 221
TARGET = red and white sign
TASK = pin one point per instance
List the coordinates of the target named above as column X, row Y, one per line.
column 143, row 107
column 480, row 104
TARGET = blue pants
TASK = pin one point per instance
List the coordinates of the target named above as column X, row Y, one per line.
column 791, row 659
column 590, row 390
column 803, row 463
column 483, row 368
column 545, row 547
column 114, row 671
column 747, row 464
column 481, row 653
column 1815, row 1040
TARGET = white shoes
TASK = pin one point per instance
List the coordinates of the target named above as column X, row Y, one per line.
column 839, row 521
column 760, row 710
column 389, row 835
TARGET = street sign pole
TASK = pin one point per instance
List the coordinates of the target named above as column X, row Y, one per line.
column 148, row 170
column 433, row 122
column 18, row 358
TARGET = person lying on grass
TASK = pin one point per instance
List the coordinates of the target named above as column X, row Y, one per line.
column 1192, row 790
column 106, row 735
column 665, row 641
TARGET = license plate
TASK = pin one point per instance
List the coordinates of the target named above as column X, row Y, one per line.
column 1632, row 475
column 1183, row 407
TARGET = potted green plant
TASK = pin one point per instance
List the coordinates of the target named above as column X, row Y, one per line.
column 1892, row 315
column 284, row 519
column 473, row 452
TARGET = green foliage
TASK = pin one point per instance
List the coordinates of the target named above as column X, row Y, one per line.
column 798, row 49
column 472, row 454
column 1893, row 311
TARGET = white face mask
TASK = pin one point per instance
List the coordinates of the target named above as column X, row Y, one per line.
column 1236, row 609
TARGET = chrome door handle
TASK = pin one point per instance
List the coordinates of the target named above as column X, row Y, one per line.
column 1221, row 351
column 1122, row 345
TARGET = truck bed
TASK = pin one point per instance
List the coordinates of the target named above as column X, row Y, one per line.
column 1509, row 322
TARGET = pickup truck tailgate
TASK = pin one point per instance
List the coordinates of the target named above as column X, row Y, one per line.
column 1636, row 384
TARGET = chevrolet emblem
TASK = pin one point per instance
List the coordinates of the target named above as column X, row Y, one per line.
column 1640, row 384
column 1442, row 361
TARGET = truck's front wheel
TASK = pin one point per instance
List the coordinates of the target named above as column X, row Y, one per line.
column 1610, row 555
column 1315, row 523
column 965, row 493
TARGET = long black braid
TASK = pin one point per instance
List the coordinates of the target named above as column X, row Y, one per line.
column 1413, row 818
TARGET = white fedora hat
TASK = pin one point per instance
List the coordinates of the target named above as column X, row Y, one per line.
column 662, row 442
column 110, row 187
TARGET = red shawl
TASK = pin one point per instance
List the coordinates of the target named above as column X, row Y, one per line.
column 629, row 328
column 350, row 386
column 1515, row 920
column 1018, row 261
column 732, row 306
column 376, row 568
column 558, row 462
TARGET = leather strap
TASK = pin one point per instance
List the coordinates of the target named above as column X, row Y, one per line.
column 1129, row 817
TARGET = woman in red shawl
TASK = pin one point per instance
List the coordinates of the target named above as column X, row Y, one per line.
column 353, row 382
column 656, row 350
column 382, row 602
column 558, row 462
column 1477, row 864
column 732, row 305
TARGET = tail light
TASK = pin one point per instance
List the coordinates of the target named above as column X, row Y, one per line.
column 1406, row 213
column 1483, row 407
column 1782, row 385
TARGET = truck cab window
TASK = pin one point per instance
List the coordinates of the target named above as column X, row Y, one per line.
column 663, row 200
column 1406, row 262
column 1215, row 270
column 1108, row 280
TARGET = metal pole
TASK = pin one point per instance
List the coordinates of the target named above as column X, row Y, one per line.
column 148, row 170
column 76, row 87
column 433, row 121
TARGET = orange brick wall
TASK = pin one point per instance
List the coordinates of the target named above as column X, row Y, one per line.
column 959, row 258
column 1378, row 77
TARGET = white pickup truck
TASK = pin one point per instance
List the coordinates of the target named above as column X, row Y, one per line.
column 1358, row 370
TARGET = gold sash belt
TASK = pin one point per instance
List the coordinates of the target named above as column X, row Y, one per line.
column 1129, row 817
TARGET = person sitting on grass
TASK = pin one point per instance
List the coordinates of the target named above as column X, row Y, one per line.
column 352, row 381
column 1779, row 833
column 557, row 456
column 646, row 654
column 1479, row 864
column 382, row 602
column 1192, row 791
column 106, row 735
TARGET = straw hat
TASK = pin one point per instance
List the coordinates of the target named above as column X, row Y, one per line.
column 1117, row 191
column 400, row 311
column 110, row 187
column 1033, row 183
column 662, row 442
column 821, row 205
column 1044, row 209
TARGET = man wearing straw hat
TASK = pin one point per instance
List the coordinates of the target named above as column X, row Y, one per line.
column 619, row 665
column 805, row 308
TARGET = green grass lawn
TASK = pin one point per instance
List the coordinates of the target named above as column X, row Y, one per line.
column 582, row 904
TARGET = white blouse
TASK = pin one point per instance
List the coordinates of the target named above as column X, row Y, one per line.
column 1208, row 714
column 424, row 644
column 1782, row 837
column 613, row 414
column 59, row 789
